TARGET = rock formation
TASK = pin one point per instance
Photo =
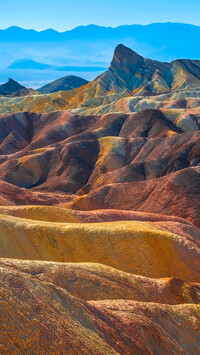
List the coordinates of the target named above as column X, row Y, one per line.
column 99, row 213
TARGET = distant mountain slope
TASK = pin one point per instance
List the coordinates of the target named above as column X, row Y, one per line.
column 99, row 202
column 28, row 64
column 130, row 74
column 92, row 46
column 130, row 71
column 131, row 83
column 69, row 82
column 23, row 92
column 140, row 82
column 180, row 40
column 33, row 65
column 10, row 87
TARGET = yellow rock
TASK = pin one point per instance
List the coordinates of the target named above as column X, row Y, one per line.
column 135, row 247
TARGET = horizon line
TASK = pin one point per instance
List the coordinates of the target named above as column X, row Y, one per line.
column 95, row 25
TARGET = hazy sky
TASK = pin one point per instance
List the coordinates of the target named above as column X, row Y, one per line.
column 63, row 14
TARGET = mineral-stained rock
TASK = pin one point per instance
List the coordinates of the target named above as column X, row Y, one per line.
column 176, row 194
column 92, row 281
column 39, row 317
column 141, row 248
column 65, row 153
column 128, row 74
column 99, row 213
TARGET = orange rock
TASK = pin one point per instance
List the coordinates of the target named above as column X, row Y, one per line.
column 141, row 248
column 37, row 316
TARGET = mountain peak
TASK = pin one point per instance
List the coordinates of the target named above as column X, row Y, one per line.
column 123, row 53
column 10, row 87
column 126, row 51
column 69, row 82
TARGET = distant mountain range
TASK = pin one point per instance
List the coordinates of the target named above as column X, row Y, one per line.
column 10, row 87
column 88, row 49
column 100, row 210
column 13, row 89
column 28, row 64
column 130, row 83
column 169, row 40
column 64, row 84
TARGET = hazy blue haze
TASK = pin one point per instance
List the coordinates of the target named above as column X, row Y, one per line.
column 67, row 14
column 36, row 58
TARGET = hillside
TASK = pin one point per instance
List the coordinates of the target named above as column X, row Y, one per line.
column 91, row 46
column 10, row 87
column 131, row 83
column 99, row 212
column 69, row 82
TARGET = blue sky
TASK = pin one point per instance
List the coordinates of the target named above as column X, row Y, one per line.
column 63, row 14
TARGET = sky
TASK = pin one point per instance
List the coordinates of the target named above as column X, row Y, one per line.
column 64, row 15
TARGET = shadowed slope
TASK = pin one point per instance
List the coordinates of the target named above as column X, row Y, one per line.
column 69, row 82
column 176, row 194
column 65, row 153
column 13, row 195
column 78, row 190
column 10, row 87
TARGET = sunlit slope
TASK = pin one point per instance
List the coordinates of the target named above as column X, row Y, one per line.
column 137, row 247
column 91, row 162
column 99, row 214
column 129, row 75
column 34, row 307
column 84, row 103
